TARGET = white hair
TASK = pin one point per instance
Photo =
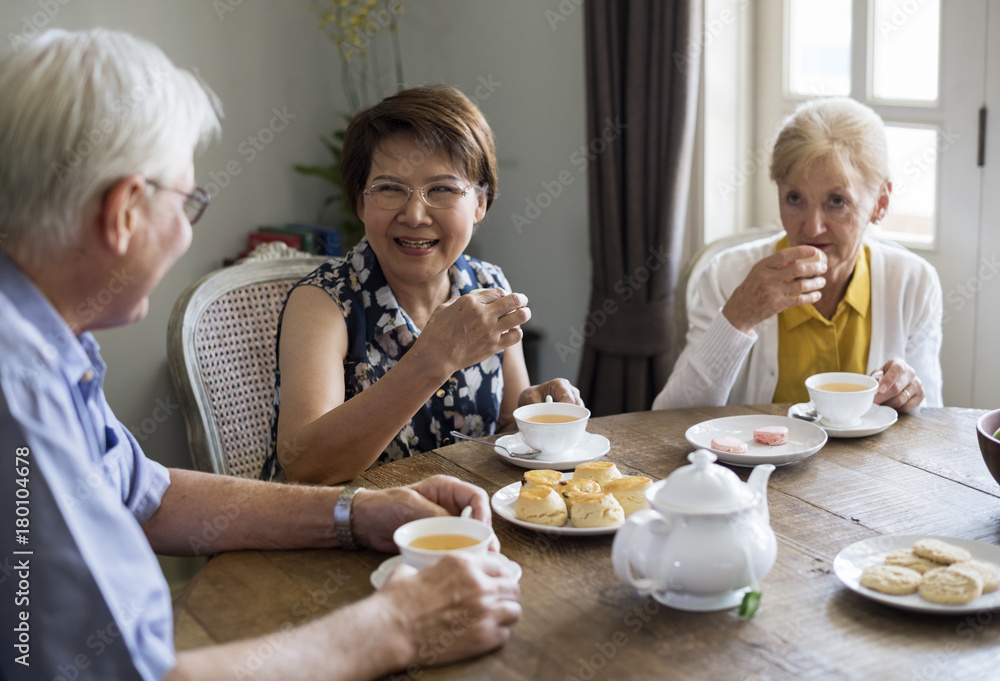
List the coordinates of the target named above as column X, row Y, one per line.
column 79, row 112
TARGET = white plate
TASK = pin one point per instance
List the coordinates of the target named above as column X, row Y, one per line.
column 503, row 504
column 383, row 571
column 875, row 421
column 591, row 448
column 804, row 439
column 851, row 562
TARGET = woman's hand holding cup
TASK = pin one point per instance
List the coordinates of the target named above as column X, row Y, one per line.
column 471, row 328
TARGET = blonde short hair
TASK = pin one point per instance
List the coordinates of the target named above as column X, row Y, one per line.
column 79, row 112
column 848, row 135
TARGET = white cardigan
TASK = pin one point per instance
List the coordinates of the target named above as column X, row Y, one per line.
column 722, row 365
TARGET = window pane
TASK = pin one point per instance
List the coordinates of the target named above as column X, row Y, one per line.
column 819, row 47
column 906, row 38
column 913, row 156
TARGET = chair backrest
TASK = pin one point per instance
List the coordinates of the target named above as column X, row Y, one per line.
column 220, row 346
column 696, row 264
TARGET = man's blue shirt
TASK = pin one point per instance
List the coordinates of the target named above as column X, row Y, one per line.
column 82, row 593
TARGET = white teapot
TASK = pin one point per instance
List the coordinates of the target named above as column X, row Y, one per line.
column 705, row 542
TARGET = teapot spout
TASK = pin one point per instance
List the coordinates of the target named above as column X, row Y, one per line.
column 758, row 483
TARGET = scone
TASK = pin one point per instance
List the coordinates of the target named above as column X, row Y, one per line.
column 541, row 477
column 908, row 559
column 540, row 505
column 950, row 587
column 570, row 489
column 601, row 471
column 630, row 492
column 599, row 509
column 891, row 579
column 941, row 552
column 987, row 572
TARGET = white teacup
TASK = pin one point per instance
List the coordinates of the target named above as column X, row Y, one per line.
column 552, row 427
column 841, row 398
column 438, row 531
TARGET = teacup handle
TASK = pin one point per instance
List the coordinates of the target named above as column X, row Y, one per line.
column 548, row 398
column 642, row 521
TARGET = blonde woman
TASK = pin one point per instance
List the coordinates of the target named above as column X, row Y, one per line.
column 770, row 313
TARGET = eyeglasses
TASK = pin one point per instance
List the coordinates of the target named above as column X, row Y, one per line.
column 393, row 195
column 195, row 203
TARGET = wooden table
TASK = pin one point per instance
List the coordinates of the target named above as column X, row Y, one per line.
column 922, row 476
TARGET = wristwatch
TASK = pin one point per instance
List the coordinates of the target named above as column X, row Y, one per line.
column 343, row 514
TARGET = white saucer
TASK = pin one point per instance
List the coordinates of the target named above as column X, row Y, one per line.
column 383, row 571
column 591, row 448
column 878, row 418
column 804, row 439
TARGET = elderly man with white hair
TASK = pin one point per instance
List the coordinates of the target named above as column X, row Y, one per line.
column 97, row 199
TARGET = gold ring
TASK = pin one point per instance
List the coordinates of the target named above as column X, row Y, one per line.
column 906, row 395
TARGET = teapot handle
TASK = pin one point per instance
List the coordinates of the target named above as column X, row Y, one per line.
column 641, row 521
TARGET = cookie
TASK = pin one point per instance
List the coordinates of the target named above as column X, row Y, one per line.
column 987, row 572
column 908, row 559
column 950, row 587
column 941, row 552
column 891, row 579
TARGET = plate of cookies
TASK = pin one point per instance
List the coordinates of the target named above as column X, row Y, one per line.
column 943, row 575
column 755, row 439
column 593, row 499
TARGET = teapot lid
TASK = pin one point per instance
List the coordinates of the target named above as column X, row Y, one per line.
column 702, row 487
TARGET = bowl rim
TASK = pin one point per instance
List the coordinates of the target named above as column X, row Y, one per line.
column 979, row 425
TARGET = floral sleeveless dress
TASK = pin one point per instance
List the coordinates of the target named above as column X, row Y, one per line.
column 379, row 334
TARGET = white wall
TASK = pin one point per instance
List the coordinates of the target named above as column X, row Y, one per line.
column 266, row 55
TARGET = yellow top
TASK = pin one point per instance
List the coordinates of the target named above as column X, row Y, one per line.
column 808, row 343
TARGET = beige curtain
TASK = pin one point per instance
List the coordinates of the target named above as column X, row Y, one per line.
column 643, row 63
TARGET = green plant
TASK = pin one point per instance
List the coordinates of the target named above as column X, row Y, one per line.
column 356, row 27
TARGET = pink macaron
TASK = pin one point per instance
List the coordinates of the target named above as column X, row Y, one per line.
column 729, row 444
column 771, row 435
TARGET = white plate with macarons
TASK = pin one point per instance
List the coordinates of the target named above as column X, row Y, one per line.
column 804, row 439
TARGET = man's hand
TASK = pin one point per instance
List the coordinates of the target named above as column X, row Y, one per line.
column 462, row 606
column 377, row 513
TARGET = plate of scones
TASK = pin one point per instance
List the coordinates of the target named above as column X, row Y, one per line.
column 937, row 575
column 593, row 499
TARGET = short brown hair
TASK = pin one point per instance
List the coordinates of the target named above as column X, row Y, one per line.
column 438, row 117
column 839, row 130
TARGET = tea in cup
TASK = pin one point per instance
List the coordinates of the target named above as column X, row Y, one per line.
column 424, row 542
column 841, row 398
column 552, row 427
